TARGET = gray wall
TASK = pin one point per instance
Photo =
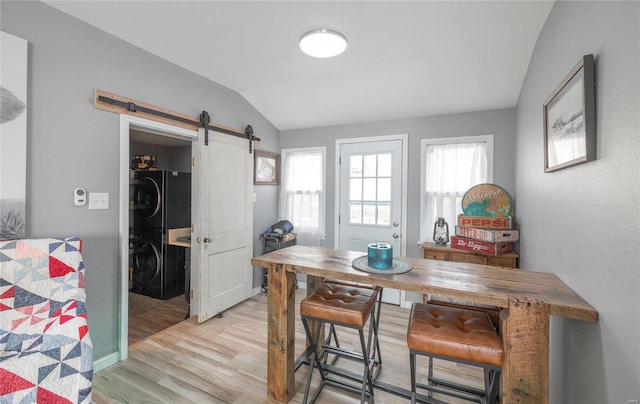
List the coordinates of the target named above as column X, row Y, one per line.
column 500, row 123
column 72, row 144
column 582, row 223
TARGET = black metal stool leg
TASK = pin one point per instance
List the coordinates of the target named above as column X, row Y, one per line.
column 377, row 323
column 370, row 362
column 315, row 359
column 367, row 382
column 334, row 335
column 487, row 383
column 494, row 387
column 412, row 362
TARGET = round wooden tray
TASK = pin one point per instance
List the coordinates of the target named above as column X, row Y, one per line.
column 397, row 266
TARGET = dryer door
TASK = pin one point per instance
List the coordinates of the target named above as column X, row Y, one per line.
column 146, row 197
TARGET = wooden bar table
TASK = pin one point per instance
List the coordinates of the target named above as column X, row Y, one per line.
column 528, row 299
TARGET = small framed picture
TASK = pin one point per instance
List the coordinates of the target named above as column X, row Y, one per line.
column 266, row 168
column 570, row 119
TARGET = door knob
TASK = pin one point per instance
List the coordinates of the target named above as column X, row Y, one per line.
column 396, row 224
column 203, row 240
column 396, row 235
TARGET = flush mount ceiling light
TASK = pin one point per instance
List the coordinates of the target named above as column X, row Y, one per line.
column 323, row 43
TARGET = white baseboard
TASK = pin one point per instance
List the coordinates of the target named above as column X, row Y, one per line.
column 106, row 361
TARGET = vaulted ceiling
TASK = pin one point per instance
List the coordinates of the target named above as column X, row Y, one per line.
column 404, row 59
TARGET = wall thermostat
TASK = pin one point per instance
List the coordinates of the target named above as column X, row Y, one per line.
column 79, row 197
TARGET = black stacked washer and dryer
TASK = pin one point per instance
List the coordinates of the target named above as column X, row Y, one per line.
column 162, row 201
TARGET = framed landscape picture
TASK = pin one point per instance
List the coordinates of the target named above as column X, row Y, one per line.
column 13, row 136
column 570, row 119
column 266, row 168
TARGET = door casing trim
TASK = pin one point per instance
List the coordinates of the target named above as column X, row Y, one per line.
column 128, row 122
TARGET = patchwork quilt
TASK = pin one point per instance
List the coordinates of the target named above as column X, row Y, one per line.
column 46, row 355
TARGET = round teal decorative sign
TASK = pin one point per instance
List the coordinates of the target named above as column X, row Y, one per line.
column 486, row 200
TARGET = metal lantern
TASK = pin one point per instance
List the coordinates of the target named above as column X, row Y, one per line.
column 441, row 232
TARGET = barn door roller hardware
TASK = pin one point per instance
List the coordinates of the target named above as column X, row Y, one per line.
column 204, row 120
column 249, row 132
column 115, row 103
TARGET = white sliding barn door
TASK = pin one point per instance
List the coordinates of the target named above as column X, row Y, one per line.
column 224, row 234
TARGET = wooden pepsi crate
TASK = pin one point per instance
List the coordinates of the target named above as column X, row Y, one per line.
column 493, row 236
column 485, row 222
column 480, row 247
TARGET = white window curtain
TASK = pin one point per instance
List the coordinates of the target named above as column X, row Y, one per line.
column 449, row 170
column 302, row 191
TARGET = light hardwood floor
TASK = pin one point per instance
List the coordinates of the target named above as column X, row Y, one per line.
column 149, row 316
column 223, row 360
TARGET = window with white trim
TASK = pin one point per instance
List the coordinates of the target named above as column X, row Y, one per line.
column 302, row 190
column 449, row 167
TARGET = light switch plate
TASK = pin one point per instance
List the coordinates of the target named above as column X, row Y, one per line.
column 98, row 200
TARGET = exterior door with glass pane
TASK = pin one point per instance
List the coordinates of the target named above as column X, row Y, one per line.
column 370, row 198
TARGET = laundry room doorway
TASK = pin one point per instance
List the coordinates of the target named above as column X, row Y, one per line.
column 156, row 188
column 160, row 206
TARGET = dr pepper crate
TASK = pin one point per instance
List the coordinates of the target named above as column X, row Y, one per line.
column 480, row 247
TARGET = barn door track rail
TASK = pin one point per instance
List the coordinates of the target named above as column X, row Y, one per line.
column 122, row 105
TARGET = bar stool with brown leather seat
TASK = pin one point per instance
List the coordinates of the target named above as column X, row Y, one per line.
column 458, row 335
column 375, row 351
column 492, row 311
column 344, row 306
